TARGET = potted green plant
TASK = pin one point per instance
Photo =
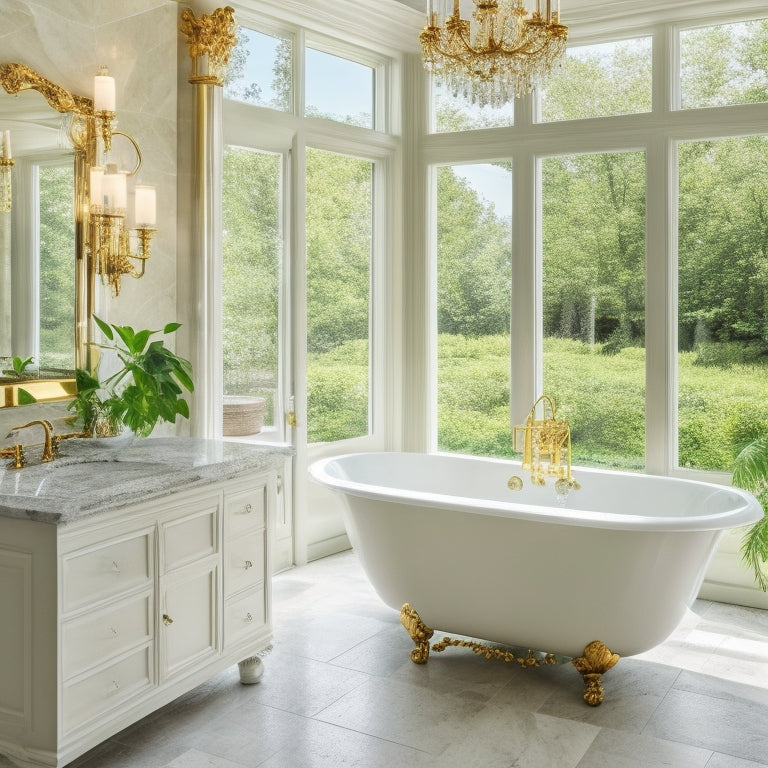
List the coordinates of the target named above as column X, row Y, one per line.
column 147, row 387
column 750, row 472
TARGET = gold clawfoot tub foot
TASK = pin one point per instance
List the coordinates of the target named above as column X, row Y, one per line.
column 597, row 659
column 420, row 634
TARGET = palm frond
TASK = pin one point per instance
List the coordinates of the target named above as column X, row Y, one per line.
column 750, row 470
column 754, row 551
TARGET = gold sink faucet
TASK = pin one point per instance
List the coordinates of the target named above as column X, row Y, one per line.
column 48, row 454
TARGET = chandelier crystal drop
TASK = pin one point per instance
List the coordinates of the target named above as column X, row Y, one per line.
column 502, row 53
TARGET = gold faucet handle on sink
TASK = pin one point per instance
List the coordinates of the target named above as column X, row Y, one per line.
column 16, row 454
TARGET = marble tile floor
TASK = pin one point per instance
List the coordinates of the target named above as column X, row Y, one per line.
column 340, row 691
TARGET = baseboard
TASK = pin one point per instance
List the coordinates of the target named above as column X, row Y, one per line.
column 732, row 593
column 332, row 546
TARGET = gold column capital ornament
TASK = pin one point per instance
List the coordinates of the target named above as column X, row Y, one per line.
column 210, row 39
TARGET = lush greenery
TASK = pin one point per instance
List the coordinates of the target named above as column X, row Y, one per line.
column 146, row 388
column 751, row 472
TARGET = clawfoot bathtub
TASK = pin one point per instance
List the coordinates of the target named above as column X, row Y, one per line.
column 606, row 572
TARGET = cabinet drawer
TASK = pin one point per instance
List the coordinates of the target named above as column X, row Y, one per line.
column 243, row 616
column 96, row 574
column 97, row 637
column 244, row 510
column 244, row 562
column 188, row 539
column 96, row 694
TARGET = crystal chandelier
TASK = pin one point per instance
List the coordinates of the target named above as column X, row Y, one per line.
column 500, row 55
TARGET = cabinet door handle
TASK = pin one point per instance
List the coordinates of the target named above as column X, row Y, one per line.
column 167, row 619
column 115, row 567
column 113, row 631
column 248, row 509
column 248, row 564
column 248, row 618
column 116, row 684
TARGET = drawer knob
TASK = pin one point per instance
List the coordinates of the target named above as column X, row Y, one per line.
column 115, row 567
column 113, row 631
column 248, row 509
column 116, row 684
column 248, row 617
column 167, row 619
column 248, row 564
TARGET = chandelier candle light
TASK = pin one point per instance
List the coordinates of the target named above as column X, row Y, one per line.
column 109, row 237
column 500, row 55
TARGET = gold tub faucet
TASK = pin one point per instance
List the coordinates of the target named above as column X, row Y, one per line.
column 48, row 453
column 545, row 442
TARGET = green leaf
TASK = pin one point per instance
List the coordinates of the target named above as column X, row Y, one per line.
column 171, row 327
column 105, row 327
column 25, row 398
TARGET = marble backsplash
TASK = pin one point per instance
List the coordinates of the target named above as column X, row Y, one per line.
column 66, row 41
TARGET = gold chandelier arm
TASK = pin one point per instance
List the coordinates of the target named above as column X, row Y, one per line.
column 135, row 146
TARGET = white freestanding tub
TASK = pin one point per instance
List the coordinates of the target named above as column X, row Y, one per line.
column 618, row 561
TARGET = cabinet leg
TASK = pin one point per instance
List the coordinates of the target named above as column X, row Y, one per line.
column 251, row 670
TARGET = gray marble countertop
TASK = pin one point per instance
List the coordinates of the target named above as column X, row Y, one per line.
column 88, row 478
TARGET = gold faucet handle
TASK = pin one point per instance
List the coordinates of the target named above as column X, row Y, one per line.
column 16, row 455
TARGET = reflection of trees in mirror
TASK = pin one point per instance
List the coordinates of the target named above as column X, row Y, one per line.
column 57, row 267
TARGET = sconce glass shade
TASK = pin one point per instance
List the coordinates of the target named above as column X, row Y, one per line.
column 145, row 206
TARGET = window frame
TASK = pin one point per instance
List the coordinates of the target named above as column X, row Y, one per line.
column 656, row 134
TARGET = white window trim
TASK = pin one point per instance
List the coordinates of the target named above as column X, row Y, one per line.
column 656, row 134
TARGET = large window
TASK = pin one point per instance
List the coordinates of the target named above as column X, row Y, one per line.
column 593, row 319
column 253, row 250
column 600, row 80
column 339, row 228
column 725, row 64
column 722, row 299
column 639, row 254
column 474, row 216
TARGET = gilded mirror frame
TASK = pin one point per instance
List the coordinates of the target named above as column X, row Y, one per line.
column 15, row 78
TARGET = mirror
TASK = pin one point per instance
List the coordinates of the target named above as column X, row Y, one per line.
column 40, row 280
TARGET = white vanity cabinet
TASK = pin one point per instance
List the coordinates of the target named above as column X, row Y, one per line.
column 110, row 616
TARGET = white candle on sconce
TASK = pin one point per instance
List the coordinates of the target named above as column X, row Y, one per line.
column 115, row 189
column 97, row 186
column 145, row 207
column 7, row 145
column 103, row 92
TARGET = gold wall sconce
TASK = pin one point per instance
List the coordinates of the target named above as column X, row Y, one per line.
column 6, row 163
column 108, row 237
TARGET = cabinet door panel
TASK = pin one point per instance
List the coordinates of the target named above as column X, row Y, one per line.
column 99, row 573
column 188, row 625
column 244, row 562
column 244, row 616
column 245, row 510
column 95, row 695
column 96, row 637
column 189, row 539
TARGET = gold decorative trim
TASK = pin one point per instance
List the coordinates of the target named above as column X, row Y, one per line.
column 531, row 659
column 19, row 77
column 210, row 39
column 420, row 633
column 597, row 659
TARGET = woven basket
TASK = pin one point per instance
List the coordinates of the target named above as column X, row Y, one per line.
column 243, row 415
